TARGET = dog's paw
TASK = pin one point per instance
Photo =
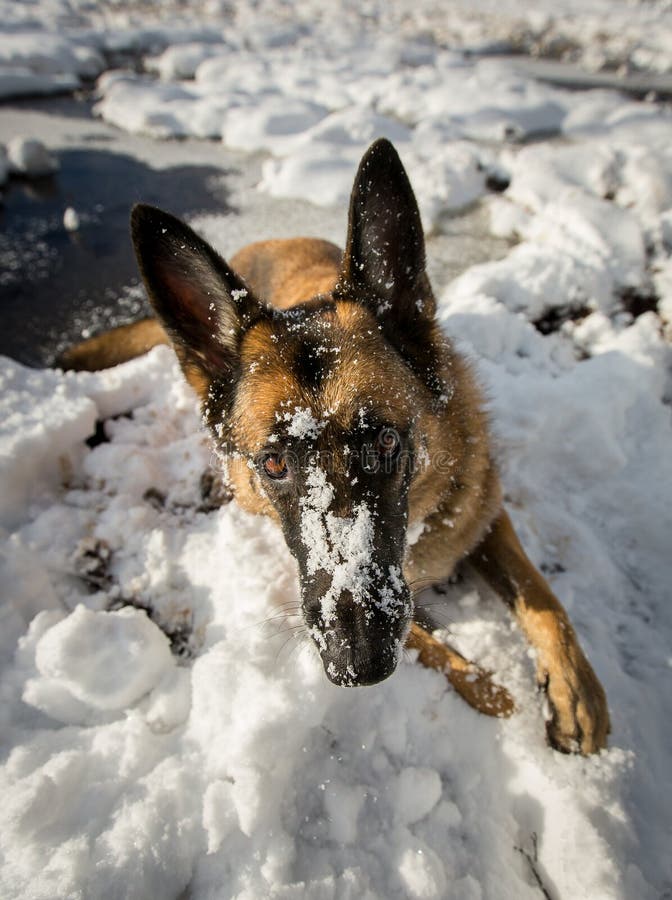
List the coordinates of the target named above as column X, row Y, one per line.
column 579, row 716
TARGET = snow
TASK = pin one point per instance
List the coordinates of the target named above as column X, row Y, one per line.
column 40, row 61
column 231, row 766
column 301, row 423
column 418, row 791
column 71, row 220
column 30, row 158
column 104, row 660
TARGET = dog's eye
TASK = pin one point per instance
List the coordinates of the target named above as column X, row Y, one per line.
column 275, row 466
column 388, row 443
column 381, row 455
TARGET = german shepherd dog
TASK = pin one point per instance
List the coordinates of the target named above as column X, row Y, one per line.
column 348, row 417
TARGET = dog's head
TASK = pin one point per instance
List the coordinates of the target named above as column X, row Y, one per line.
column 324, row 408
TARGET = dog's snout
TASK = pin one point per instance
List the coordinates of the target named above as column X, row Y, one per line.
column 350, row 668
column 360, row 639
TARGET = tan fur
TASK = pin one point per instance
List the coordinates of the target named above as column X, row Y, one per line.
column 471, row 682
column 580, row 716
column 114, row 347
column 287, row 272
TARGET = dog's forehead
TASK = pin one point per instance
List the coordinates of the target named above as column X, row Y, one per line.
column 319, row 364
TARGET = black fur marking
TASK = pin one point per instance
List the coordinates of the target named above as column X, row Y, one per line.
column 309, row 364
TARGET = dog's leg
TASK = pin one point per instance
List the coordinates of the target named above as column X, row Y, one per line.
column 580, row 718
column 471, row 682
column 113, row 347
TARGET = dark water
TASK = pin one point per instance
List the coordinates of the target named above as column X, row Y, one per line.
column 54, row 283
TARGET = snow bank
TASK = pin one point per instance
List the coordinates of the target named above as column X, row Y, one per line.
column 314, row 116
column 449, row 115
column 312, row 89
column 39, row 438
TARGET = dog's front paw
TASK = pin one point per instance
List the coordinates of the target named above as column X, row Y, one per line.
column 579, row 720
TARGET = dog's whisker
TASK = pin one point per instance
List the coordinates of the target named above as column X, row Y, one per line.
column 420, row 584
column 288, row 630
column 287, row 615
column 285, row 608
column 292, row 637
column 274, row 618
column 299, row 636
column 302, row 643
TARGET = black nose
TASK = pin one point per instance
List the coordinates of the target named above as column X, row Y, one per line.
column 360, row 642
column 360, row 647
column 356, row 669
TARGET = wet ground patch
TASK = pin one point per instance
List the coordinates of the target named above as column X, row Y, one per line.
column 54, row 282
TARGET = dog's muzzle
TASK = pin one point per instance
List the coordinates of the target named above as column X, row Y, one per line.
column 362, row 640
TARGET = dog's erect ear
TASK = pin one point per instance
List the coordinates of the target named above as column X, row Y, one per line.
column 203, row 305
column 384, row 261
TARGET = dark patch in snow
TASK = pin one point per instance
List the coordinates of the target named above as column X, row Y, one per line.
column 639, row 300
column 100, row 435
column 532, row 857
column 497, row 181
column 554, row 318
column 155, row 498
column 91, row 562
column 179, row 634
column 215, row 492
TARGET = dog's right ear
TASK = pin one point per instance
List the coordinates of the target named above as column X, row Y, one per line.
column 203, row 305
column 384, row 259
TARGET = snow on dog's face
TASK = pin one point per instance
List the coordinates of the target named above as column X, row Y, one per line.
column 345, row 523
column 355, row 602
column 322, row 402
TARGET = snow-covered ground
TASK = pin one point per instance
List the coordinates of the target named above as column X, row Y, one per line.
column 165, row 734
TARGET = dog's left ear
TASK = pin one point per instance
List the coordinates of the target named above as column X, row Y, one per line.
column 203, row 305
column 384, row 260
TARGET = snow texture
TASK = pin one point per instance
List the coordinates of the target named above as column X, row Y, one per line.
column 232, row 767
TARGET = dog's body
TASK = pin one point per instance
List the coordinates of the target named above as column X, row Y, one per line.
column 347, row 416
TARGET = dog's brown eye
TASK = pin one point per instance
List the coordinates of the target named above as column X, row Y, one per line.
column 387, row 442
column 275, row 466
